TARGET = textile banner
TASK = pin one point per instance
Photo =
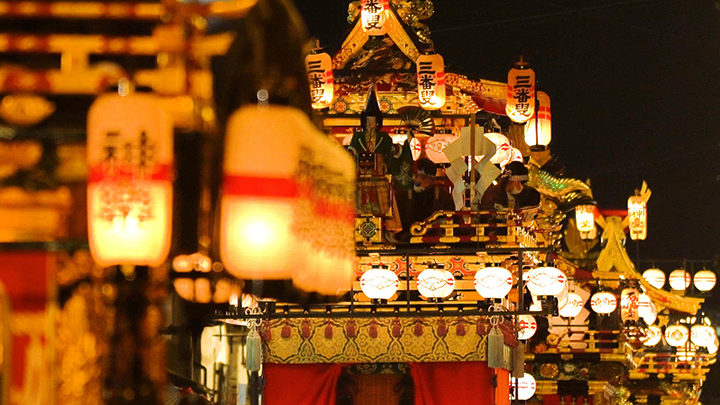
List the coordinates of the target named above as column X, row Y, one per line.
column 301, row 384
column 458, row 383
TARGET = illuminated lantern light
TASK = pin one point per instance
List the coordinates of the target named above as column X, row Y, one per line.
column 431, row 81
column 654, row 277
column 201, row 289
column 603, row 302
column 435, row 283
column 651, row 315
column 679, row 280
column 493, row 282
column 629, row 307
column 654, row 334
column 520, row 104
column 379, row 283
column 527, row 326
column 130, row 193
column 538, row 131
column 320, row 75
column 637, row 218
column 415, row 146
column 585, row 218
column 525, row 387
column 373, row 14
column 436, row 144
column 704, row 280
column 676, row 335
column 573, row 306
column 713, row 347
column 684, row 354
column 535, row 307
column 702, row 335
column 503, row 151
column 544, row 281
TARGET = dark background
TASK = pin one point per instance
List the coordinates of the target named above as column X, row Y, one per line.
column 634, row 87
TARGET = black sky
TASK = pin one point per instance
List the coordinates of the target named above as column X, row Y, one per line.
column 634, row 87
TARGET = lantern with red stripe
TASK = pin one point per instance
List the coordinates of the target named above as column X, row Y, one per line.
column 637, row 217
column 538, row 131
column 130, row 157
column 374, row 14
column 629, row 305
column 520, row 103
column 320, row 75
column 431, row 81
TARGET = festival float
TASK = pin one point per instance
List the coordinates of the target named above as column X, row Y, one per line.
column 161, row 237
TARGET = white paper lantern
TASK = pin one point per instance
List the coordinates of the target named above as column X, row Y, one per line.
column 503, row 151
column 653, row 336
column 704, row 280
column 525, row 387
column 702, row 335
column 493, row 282
column 435, row 283
column 603, row 302
column 644, row 303
column 637, row 217
column 436, row 144
column 374, row 14
column 320, row 76
column 379, row 283
column 538, row 131
column 629, row 306
column 679, row 280
column 585, row 218
column 713, row 348
column 415, row 146
column 543, row 281
column 573, row 306
column 655, row 277
column 520, row 103
column 677, row 335
column 431, row 81
column 527, row 326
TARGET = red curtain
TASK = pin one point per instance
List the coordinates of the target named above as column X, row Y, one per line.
column 455, row 383
column 301, row 384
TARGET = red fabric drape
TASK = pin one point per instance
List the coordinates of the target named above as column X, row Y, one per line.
column 466, row 383
column 301, row 384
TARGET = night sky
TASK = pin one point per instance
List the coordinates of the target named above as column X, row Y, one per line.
column 634, row 88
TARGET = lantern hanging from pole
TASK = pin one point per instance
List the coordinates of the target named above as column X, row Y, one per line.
column 704, row 280
column 379, row 283
column 654, row 277
column 603, row 302
column 527, row 326
column 493, row 282
column 435, row 282
column 538, row 130
column 520, row 103
column 374, row 14
column 677, row 335
column 320, row 76
column 644, row 303
column 585, row 218
column 130, row 159
column 654, row 334
column 431, row 81
column 637, row 217
column 573, row 306
column 545, row 281
column 702, row 335
column 629, row 311
column 524, row 386
column 679, row 280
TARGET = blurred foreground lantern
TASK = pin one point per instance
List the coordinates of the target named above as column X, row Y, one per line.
column 679, row 280
column 379, row 283
column 320, row 75
column 629, row 308
column 493, row 282
column 130, row 159
column 546, row 281
column 431, row 81
column 527, row 326
column 538, row 131
column 676, row 335
column 653, row 336
column 573, row 306
column 373, row 14
column 524, row 386
column 637, row 217
column 654, row 277
column 520, row 104
column 603, row 302
column 195, row 280
column 435, row 282
column 704, row 280
column 702, row 335
column 585, row 218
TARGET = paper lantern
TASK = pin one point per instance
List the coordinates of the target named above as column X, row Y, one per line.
column 129, row 192
column 637, row 217
column 435, row 283
column 431, row 81
column 650, row 315
column 320, row 76
column 585, row 218
column 603, row 302
column 704, row 280
column 373, row 15
column 713, row 347
column 538, row 130
column 573, row 306
column 543, row 281
column 504, row 153
column 524, row 386
column 679, row 280
column 653, row 336
column 435, row 145
column 379, row 283
column 676, row 335
column 415, row 146
column 702, row 335
column 520, row 103
column 194, row 281
column 527, row 326
column 493, row 282
column 654, row 277
column 629, row 311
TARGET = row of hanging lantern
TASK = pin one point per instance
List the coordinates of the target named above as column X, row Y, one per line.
column 637, row 219
column 679, row 335
column 679, row 279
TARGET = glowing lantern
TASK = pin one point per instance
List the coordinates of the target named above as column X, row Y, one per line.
column 415, row 147
column 704, row 280
column 130, row 158
column 713, row 347
column 374, row 15
column 431, row 81
column 603, row 302
column 435, row 283
column 194, row 281
column 493, row 282
column 679, row 280
column 637, row 217
column 525, row 387
column 520, row 105
column 629, row 305
column 702, row 335
column 538, row 131
column 435, row 145
column 650, row 315
column 527, row 326
column 379, row 283
column 544, row 281
column 653, row 336
column 654, row 277
column 504, row 152
column 676, row 335
column 320, row 75
column 573, row 306
column 585, row 218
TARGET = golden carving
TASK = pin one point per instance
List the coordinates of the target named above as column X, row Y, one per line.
column 549, row 370
column 25, row 109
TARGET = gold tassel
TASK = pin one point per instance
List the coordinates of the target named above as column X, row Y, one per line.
column 496, row 345
column 518, row 370
column 253, row 358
